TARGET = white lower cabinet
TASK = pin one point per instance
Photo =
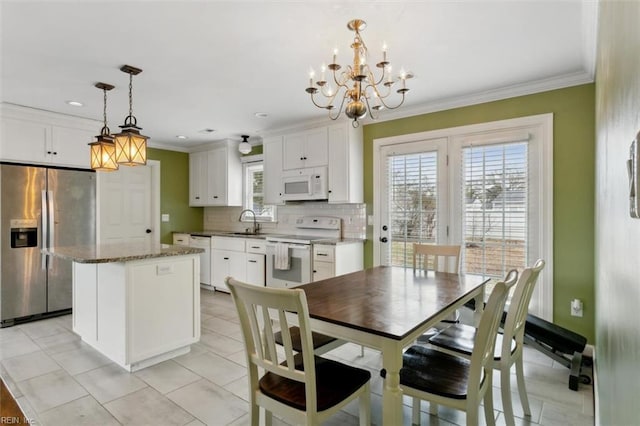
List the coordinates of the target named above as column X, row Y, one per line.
column 332, row 260
column 255, row 269
column 228, row 259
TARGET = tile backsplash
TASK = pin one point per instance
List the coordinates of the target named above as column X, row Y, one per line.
column 354, row 218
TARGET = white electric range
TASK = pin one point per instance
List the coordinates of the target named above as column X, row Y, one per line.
column 298, row 250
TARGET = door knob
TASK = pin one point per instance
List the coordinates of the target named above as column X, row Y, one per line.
column 383, row 239
column 148, row 231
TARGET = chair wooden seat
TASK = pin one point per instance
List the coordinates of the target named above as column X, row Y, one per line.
column 460, row 337
column 435, row 372
column 319, row 340
column 335, row 382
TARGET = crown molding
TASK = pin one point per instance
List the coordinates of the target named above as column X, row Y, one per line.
column 529, row 88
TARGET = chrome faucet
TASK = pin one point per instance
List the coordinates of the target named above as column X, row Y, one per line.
column 256, row 225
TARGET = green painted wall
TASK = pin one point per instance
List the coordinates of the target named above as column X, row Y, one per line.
column 174, row 194
column 573, row 183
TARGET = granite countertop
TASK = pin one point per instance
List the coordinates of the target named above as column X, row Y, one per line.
column 107, row 253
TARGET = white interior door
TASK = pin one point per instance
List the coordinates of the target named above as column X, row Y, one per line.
column 127, row 203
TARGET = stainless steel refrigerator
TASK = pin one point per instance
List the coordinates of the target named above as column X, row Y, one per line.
column 41, row 207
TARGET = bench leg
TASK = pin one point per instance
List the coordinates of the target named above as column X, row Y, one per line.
column 574, row 376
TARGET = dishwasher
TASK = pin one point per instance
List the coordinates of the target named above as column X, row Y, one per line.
column 203, row 242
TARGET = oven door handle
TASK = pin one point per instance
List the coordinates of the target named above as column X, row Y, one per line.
column 293, row 246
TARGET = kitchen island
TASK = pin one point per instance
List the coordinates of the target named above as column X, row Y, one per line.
column 137, row 304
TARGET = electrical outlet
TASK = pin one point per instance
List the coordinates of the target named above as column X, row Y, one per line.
column 165, row 217
column 576, row 308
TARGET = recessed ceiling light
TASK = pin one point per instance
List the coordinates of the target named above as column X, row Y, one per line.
column 182, row 137
column 261, row 114
column 75, row 103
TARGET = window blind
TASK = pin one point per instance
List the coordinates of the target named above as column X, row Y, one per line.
column 412, row 200
column 495, row 208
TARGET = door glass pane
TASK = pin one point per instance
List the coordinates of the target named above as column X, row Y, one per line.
column 412, row 201
column 495, row 207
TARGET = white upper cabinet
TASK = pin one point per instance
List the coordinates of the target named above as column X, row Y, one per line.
column 198, row 178
column 272, row 155
column 40, row 137
column 345, row 180
column 215, row 176
column 306, row 149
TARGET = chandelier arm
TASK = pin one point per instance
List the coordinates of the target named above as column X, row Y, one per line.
column 382, row 76
column 330, row 99
column 392, row 107
column 369, row 109
column 339, row 109
column 344, row 77
column 377, row 91
column 317, row 104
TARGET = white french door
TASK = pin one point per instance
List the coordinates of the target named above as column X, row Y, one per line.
column 485, row 187
column 414, row 202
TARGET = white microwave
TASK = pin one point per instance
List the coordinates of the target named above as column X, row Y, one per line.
column 304, row 184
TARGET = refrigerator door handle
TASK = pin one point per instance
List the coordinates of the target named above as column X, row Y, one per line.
column 52, row 223
column 44, row 216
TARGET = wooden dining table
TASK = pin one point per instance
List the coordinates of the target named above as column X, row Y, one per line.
column 387, row 308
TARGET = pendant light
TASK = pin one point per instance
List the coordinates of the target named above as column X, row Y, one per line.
column 245, row 146
column 131, row 146
column 103, row 150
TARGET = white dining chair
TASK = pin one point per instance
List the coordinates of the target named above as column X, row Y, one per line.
column 440, row 258
column 301, row 387
column 454, row 381
column 459, row 339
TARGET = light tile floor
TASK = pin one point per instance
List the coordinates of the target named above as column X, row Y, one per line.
column 59, row 380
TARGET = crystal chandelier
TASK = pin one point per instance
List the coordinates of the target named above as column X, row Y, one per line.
column 363, row 92
column 103, row 150
column 131, row 146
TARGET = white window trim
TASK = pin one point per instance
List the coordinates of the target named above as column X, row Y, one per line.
column 544, row 159
column 248, row 161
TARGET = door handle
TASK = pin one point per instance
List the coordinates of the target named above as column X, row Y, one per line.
column 383, row 239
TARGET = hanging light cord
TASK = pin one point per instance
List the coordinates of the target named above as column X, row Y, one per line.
column 131, row 120
column 105, row 130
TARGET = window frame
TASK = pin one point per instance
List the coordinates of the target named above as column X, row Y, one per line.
column 540, row 131
column 250, row 163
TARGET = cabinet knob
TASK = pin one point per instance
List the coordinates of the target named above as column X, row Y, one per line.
column 329, row 191
column 55, row 153
column 215, row 196
column 49, row 152
column 148, row 231
column 225, row 258
column 197, row 198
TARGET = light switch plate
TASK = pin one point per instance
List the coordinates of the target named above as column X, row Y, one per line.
column 165, row 217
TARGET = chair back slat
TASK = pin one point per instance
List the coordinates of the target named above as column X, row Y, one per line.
column 286, row 337
column 257, row 306
column 436, row 257
column 519, row 307
column 484, row 344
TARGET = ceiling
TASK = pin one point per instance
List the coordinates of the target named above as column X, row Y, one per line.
column 215, row 64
